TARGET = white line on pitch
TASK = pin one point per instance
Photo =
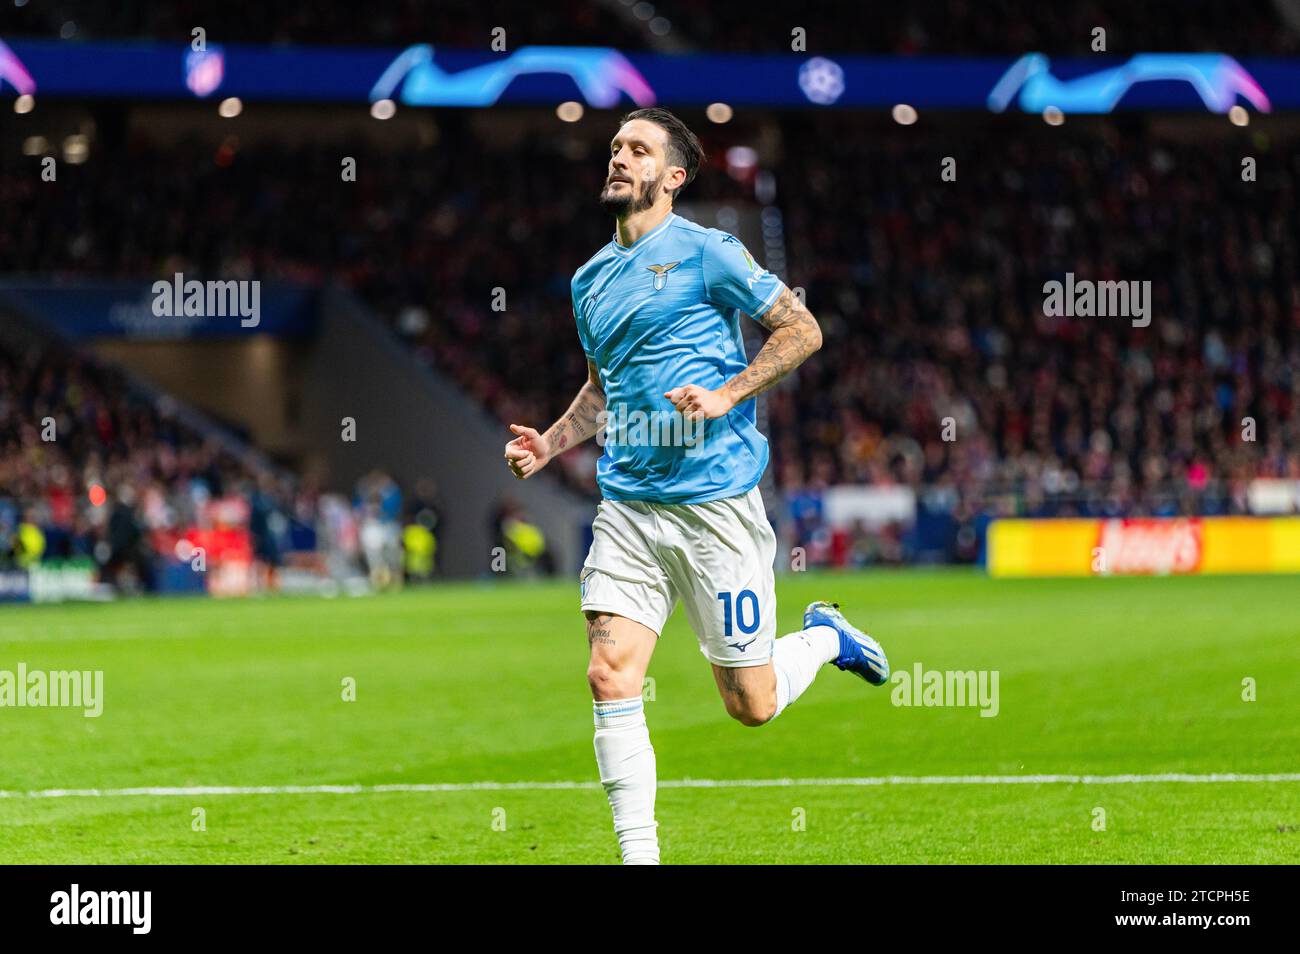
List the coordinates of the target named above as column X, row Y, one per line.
column 1179, row 778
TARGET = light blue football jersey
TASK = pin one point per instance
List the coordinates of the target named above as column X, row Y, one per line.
column 659, row 314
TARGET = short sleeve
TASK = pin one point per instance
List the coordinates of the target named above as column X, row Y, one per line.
column 582, row 325
column 734, row 280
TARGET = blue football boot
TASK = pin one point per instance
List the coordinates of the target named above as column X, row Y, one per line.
column 859, row 653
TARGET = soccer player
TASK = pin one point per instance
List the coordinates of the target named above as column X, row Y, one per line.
column 658, row 314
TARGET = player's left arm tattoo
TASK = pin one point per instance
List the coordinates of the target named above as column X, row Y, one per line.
column 795, row 336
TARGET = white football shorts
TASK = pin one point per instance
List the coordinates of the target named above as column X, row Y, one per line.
column 715, row 557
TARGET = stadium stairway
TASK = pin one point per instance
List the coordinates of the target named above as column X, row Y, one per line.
column 412, row 422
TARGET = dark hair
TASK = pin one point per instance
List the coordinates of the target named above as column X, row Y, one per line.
column 684, row 147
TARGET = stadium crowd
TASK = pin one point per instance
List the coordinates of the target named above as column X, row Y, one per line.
column 94, row 470
column 933, row 308
column 91, row 469
column 930, row 293
column 988, row 27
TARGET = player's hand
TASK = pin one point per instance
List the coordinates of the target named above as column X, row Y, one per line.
column 528, row 453
column 698, row 403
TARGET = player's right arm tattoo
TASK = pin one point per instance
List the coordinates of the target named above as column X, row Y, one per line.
column 582, row 419
column 795, row 336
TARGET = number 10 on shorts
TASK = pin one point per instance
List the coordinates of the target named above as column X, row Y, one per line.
column 745, row 615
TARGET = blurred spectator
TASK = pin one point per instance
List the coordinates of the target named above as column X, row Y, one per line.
column 130, row 562
column 379, row 502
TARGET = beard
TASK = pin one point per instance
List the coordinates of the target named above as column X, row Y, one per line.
column 636, row 199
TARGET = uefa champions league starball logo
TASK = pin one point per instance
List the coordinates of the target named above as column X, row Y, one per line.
column 821, row 80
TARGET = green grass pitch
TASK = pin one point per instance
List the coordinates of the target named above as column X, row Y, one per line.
column 485, row 683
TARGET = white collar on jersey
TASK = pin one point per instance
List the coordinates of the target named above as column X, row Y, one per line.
column 643, row 239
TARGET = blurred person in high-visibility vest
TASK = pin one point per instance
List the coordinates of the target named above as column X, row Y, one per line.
column 420, row 547
column 29, row 542
column 524, row 541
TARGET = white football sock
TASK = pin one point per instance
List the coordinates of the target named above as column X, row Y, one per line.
column 797, row 658
column 627, row 770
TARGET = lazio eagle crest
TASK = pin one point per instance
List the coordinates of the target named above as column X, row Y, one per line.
column 661, row 273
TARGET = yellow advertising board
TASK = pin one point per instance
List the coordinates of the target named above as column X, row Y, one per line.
column 1151, row 546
